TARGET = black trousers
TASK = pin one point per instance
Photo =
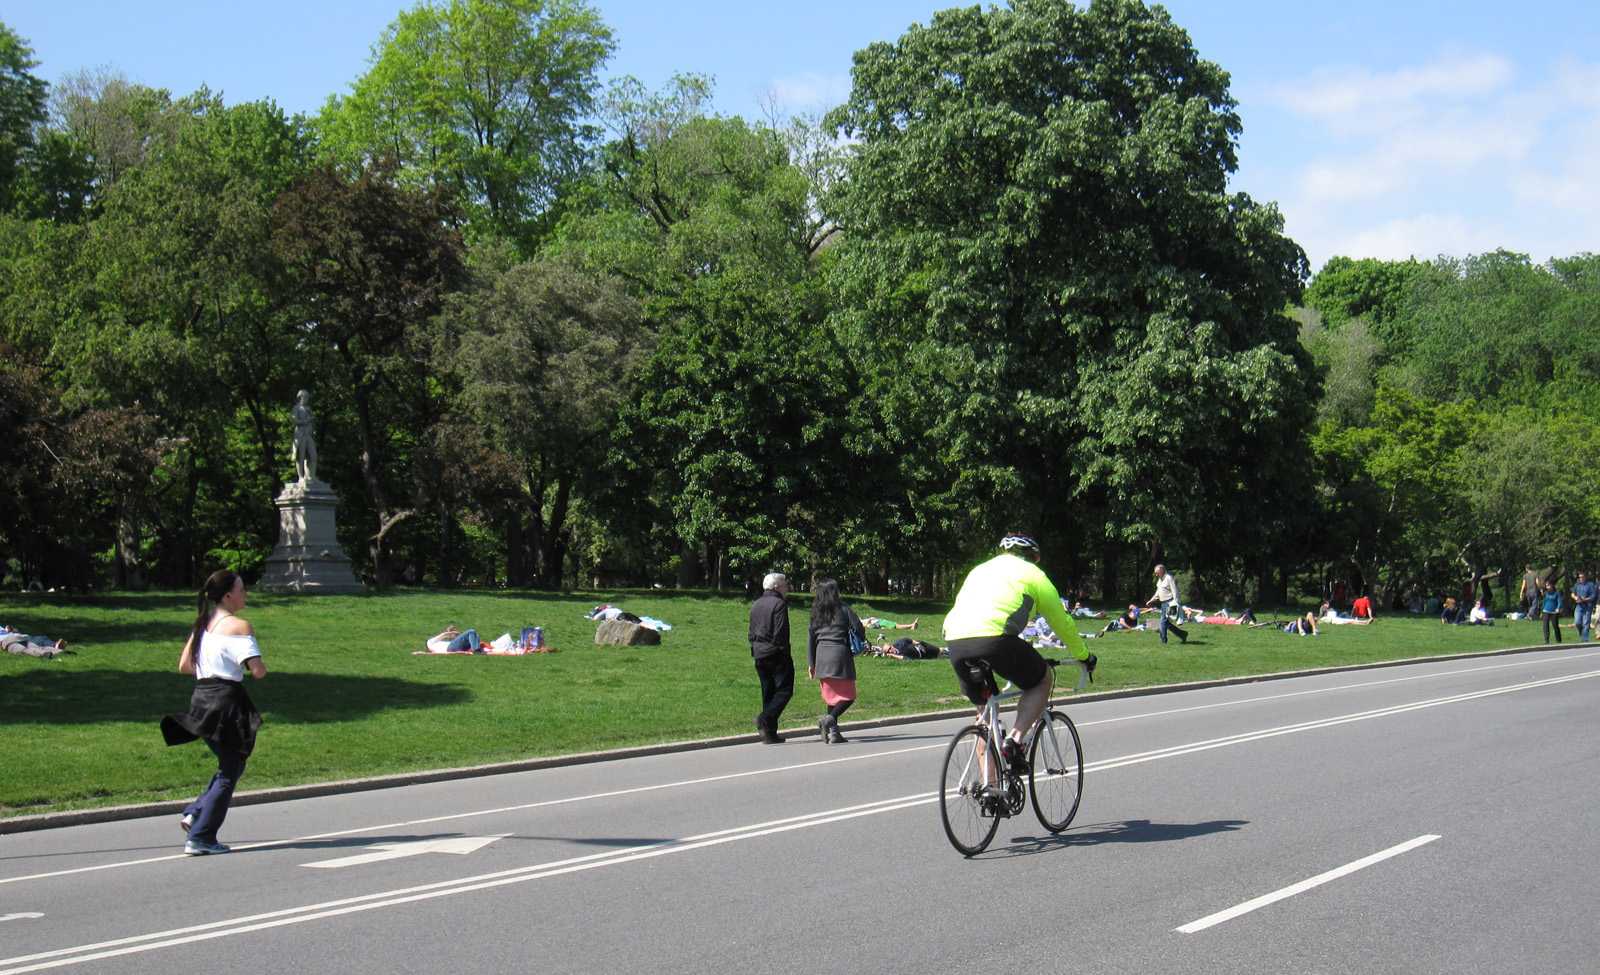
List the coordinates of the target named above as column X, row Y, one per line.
column 1552, row 620
column 777, row 686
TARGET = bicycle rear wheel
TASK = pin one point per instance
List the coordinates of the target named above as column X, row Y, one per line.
column 1055, row 771
column 970, row 763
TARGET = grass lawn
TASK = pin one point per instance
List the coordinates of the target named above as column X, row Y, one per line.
column 346, row 698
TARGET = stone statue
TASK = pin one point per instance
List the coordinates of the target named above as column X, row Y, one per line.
column 307, row 558
column 304, row 449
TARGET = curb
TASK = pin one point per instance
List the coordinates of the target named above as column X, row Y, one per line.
column 107, row 814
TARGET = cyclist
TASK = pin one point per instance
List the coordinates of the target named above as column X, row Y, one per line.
column 997, row 600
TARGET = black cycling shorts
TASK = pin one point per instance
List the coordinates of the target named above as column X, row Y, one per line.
column 1010, row 657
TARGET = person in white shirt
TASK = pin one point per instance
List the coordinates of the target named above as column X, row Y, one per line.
column 221, row 648
column 1167, row 598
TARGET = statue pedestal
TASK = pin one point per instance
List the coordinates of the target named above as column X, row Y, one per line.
column 307, row 557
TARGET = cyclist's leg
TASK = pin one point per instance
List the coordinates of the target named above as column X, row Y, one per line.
column 1017, row 661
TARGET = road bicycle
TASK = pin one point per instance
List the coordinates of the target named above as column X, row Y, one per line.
column 978, row 788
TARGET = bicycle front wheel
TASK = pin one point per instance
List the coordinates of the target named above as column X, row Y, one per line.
column 1055, row 771
column 970, row 764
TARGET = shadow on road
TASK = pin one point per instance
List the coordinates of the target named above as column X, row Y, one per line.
column 1127, row 831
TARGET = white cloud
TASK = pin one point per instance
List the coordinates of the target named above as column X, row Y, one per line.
column 810, row 91
column 1360, row 92
column 1454, row 156
column 1424, row 236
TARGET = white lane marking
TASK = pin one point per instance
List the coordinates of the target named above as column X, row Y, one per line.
column 1211, row 920
column 20, row 916
column 350, row 905
column 520, row 807
column 215, row 929
column 683, row 783
column 459, row 845
column 1325, row 690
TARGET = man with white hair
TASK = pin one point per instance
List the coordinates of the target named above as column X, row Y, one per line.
column 1167, row 597
column 769, row 645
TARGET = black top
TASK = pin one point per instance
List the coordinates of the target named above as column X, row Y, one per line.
column 828, row 646
column 220, row 711
column 769, row 625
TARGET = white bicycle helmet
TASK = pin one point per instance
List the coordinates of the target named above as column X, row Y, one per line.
column 1015, row 540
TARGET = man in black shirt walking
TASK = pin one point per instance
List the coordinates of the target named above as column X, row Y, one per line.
column 769, row 645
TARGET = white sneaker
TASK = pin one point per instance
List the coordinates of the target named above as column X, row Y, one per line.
column 196, row 848
column 184, row 822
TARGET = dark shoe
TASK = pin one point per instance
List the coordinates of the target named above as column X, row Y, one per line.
column 1183, row 639
column 200, row 848
column 1015, row 756
column 834, row 738
column 824, row 732
column 770, row 737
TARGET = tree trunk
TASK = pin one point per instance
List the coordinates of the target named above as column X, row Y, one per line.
column 372, row 479
column 552, row 548
column 691, row 573
column 1110, row 563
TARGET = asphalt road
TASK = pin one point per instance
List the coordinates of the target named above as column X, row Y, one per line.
column 1476, row 778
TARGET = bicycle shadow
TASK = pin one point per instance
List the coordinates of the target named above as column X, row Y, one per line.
column 1126, row 831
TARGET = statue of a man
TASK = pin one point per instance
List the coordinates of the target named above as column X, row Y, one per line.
column 304, row 450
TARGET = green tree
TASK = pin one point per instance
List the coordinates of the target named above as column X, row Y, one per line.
column 1365, row 288
column 487, row 98
column 733, row 431
column 22, row 109
column 540, row 355
column 1079, row 318
column 369, row 263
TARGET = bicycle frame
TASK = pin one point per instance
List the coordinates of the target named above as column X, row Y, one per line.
column 995, row 730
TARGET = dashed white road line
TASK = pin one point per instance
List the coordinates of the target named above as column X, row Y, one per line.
column 310, row 912
column 749, row 773
column 1211, row 920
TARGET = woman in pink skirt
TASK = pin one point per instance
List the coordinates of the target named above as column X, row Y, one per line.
column 830, row 659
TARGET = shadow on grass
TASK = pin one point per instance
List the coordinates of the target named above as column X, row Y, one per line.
column 76, row 697
column 1127, row 831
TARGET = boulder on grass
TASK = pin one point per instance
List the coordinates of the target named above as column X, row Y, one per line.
column 621, row 633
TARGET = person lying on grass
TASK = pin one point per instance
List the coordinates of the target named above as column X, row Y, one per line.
column 452, row 640
column 1222, row 618
column 15, row 641
column 879, row 623
column 1331, row 616
column 1304, row 626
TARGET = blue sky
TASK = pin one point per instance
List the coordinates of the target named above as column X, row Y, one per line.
column 1382, row 129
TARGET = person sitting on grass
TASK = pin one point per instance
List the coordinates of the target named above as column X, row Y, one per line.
column 1451, row 612
column 1333, row 617
column 1479, row 616
column 1129, row 620
column 1304, row 626
column 452, row 640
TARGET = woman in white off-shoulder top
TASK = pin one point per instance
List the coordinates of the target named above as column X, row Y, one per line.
column 220, row 649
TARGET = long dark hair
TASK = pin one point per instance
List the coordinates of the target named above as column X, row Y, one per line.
column 218, row 585
column 825, row 605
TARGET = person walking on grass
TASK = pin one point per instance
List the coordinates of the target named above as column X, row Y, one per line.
column 769, row 647
column 1166, row 598
column 1583, row 595
column 1550, row 609
column 835, row 629
column 220, row 649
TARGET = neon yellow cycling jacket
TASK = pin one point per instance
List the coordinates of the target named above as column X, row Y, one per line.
column 1000, row 598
